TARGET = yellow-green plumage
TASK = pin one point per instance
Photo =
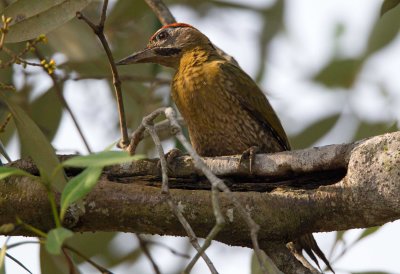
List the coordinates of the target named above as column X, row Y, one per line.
column 224, row 109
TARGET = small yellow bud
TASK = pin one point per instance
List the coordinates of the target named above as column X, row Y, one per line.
column 42, row 38
column 8, row 20
column 43, row 62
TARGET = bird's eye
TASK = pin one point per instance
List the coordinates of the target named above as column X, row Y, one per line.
column 162, row 35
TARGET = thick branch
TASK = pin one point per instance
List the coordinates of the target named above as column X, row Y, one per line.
column 367, row 196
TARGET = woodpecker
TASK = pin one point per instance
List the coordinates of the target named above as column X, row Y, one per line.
column 225, row 111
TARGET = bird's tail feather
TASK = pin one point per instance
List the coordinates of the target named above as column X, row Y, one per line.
column 310, row 246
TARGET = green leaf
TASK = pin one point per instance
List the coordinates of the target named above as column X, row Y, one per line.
column 46, row 111
column 36, row 145
column 44, row 17
column 385, row 30
column 12, row 171
column 56, row 238
column 368, row 129
column 313, row 133
column 268, row 263
column 22, row 9
column 68, row 40
column 52, row 263
column 78, row 187
column 7, row 228
column 101, row 159
column 388, row 5
column 339, row 73
column 367, row 232
column 88, row 243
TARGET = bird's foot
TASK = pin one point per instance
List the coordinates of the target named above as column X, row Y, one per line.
column 250, row 155
column 170, row 157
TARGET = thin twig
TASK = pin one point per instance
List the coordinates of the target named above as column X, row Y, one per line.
column 219, row 224
column 22, row 243
column 60, row 94
column 218, row 183
column 162, row 12
column 143, row 246
column 70, row 263
column 147, row 124
column 173, row 251
column 18, row 262
column 99, row 31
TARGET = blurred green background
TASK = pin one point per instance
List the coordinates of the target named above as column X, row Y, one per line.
column 329, row 68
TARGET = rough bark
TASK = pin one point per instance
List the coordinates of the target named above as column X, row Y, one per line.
column 127, row 197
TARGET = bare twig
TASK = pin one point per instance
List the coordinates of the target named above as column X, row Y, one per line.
column 217, row 183
column 147, row 123
column 143, row 246
column 99, row 31
column 162, row 12
column 60, row 94
column 173, row 251
column 70, row 263
column 140, row 133
column 219, row 224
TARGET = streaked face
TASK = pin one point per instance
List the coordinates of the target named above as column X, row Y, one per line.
column 165, row 47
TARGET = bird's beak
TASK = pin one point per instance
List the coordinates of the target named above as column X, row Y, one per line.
column 145, row 56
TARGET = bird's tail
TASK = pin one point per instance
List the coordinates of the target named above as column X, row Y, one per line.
column 310, row 246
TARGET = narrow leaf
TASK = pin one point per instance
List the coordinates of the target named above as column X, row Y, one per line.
column 101, row 159
column 56, row 238
column 78, row 187
column 32, row 25
column 268, row 264
column 36, row 144
column 384, row 31
column 12, row 171
column 339, row 73
column 366, row 129
column 314, row 132
column 22, row 9
column 46, row 111
column 388, row 5
column 367, row 232
column 52, row 263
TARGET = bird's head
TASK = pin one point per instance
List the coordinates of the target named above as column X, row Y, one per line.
column 167, row 45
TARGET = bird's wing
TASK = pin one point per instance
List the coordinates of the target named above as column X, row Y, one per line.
column 249, row 95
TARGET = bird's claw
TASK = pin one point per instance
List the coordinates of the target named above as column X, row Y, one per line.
column 170, row 157
column 249, row 154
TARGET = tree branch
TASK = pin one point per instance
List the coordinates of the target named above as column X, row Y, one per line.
column 125, row 200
